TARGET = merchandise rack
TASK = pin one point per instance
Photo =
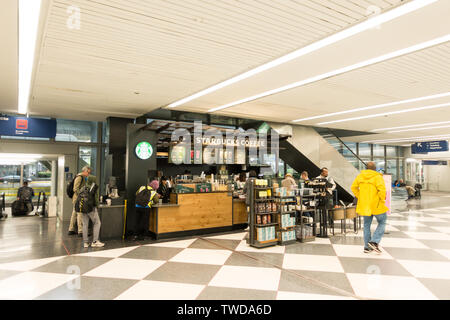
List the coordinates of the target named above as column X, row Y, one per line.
column 280, row 214
column 301, row 218
column 251, row 240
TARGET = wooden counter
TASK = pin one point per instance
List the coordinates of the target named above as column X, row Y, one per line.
column 195, row 213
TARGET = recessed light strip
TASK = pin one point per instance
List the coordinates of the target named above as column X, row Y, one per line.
column 411, row 126
column 417, row 129
column 442, row 105
column 444, row 136
column 344, row 34
column 359, row 65
column 29, row 11
column 390, row 104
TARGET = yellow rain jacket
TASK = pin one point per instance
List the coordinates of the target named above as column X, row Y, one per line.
column 370, row 190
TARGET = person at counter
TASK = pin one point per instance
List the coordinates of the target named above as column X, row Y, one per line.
column 288, row 182
column 164, row 190
column 324, row 175
column 304, row 176
column 146, row 196
column 242, row 177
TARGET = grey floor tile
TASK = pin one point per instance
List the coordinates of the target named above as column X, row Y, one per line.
column 415, row 229
column 311, row 248
column 439, row 287
column 396, row 234
column 4, row 274
column 290, row 281
column 67, row 264
column 90, row 288
column 437, row 244
column 152, row 253
column 221, row 293
column 184, row 273
column 373, row 266
column 238, row 259
column 348, row 240
column 269, row 258
column 435, row 224
column 415, row 254
column 335, row 279
column 215, row 244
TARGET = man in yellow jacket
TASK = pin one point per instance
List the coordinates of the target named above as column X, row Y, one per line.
column 370, row 190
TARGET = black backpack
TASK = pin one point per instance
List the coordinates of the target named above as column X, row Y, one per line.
column 86, row 199
column 143, row 197
column 69, row 188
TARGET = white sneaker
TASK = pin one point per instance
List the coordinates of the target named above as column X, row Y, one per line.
column 86, row 245
column 97, row 244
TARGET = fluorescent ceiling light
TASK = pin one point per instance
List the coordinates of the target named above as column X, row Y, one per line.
column 344, row 34
column 442, row 105
column 411, row 126
column 390, row 104
column 333, row 73
column 421, row 138
column 417, row 129
column 29, row 11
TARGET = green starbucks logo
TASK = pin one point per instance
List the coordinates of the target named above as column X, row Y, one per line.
column 144, row 150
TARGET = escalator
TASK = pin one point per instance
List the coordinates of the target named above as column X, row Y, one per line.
column 304, row 149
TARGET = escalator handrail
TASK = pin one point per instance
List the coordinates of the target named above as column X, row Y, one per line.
column 349, row 149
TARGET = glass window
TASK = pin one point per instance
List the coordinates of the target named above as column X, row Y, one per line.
column 290, row 170
column 401, row 166
column 391, row 152
column 364, row 150
column 378, row 150
column 391, row 168
column 87, row 156
column 380, row 165
column 351, row 146
column 76, row 131
column 281, row 168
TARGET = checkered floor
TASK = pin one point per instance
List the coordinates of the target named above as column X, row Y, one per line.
column 414, row 265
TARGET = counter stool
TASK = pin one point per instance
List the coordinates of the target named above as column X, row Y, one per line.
column 335, row 215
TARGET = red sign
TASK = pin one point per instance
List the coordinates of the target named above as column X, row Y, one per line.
column 21, row 124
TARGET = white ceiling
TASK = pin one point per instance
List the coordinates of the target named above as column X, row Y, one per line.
column 169, row 49
column 8, row 56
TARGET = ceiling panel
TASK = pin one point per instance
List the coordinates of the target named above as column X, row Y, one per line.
column 168, row 49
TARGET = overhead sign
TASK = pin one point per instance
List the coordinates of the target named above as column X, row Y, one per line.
column 27, row 127
column 434, row 163
column 144, row 150
column 430, row 146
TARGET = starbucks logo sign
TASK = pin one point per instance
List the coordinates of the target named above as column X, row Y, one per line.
column 144, row 150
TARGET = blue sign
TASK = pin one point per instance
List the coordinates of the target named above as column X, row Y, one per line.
column 434, row 163
column 430, row 146
column 27, row 127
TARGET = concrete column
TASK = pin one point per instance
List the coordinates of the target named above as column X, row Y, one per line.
column 21, row 175
column 54, row 178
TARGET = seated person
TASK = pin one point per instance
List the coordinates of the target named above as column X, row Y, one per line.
column 26, row 194
column 411, row 192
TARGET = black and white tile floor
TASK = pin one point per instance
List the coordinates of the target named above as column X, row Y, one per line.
column 414, row 265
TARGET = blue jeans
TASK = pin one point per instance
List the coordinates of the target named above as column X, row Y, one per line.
column 378, row 234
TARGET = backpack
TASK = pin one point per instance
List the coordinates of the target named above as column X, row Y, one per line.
column 69, row 188
column 86, row 199
column 144, row 196
column 25, row 194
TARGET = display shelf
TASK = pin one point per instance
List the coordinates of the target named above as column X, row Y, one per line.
column 266, row 225
column 263, row 188
column 288, row 212
column 264, row 244
column 263, row 213
column 267, row 199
